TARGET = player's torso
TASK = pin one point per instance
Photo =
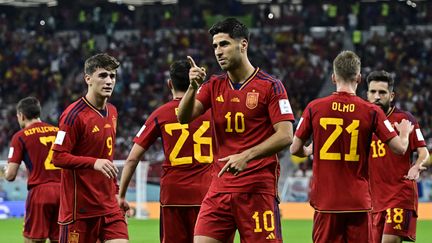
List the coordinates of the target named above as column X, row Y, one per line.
column 387, row 171
column 342, row 129
column 188, row 155
column 37, row 154
column 241, row 117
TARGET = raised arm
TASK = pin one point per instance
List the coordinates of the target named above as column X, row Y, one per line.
column 399, row 144
column 189, row 107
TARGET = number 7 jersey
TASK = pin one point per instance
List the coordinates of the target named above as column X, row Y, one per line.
column 33, row 146
column 342, row 125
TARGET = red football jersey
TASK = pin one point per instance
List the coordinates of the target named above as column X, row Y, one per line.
column 186, row 171
column 342, row 125
column 33, row 146
column 86, row 134
column 387, row 170
column 243, row 118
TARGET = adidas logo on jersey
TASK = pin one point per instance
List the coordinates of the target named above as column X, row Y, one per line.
column 397, row 227
column 95, row 129
column 220, row 98
column 271, row 236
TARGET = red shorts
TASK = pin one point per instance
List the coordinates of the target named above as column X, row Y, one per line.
column 42, row 207
column 342, row 227
column 394, row 221
column 177, row 224
column 90, row 230
column 256, row 216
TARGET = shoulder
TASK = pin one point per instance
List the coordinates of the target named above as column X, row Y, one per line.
column 73, row 111
column 404, row 115
column 269, row 82
column 216, row 78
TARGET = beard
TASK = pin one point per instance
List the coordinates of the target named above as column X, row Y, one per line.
column 384, row 107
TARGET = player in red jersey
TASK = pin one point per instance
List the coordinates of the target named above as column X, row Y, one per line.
column 84, row 149
column 32, row 145
column 252, row 120
column 342, row 125
column 186, row 173
column 394, row 196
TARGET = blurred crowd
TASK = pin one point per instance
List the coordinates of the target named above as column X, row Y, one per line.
column 45, row 59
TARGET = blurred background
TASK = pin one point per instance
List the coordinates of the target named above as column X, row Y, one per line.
column 44, row 44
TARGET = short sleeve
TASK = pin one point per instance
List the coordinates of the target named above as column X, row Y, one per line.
column 149, row 132
column 384, row 130
column 204, row 95
column 279, row 107
column 304, row 127
column 16, row 149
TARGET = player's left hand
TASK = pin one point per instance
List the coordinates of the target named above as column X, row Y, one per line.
column 414, row 172
column 235, row 164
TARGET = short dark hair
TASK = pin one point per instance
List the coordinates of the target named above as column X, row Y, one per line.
column 381, row 76
column 30, row 107
column 179, row 74
column 347, row 65
column 101, row 60
column 231, row 26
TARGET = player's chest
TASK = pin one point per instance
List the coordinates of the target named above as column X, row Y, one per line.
column 98, row 129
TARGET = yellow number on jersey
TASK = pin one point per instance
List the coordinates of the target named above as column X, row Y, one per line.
column 109, row 144
column 352, row 129
column 397, row 216
column 48, row 160
column 239, row 122
column 198, row 139
column 266, row 216
column 378, row 149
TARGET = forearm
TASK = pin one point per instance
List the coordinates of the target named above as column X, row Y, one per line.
column 423, row 156
column 126, row 176
column 186, row 106
column 68, row 161
column 275, row 143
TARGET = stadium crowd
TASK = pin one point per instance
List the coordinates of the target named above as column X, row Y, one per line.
column 45, row 60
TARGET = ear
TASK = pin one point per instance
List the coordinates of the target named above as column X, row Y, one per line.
column 359, row 79
column 170, row 84
column 392, row 95
column 333, row 78
column 243, row 45
column 87, row 78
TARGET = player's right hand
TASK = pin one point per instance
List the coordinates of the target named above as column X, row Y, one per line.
column 196, row 74
column 106, row 167
column 124, row 205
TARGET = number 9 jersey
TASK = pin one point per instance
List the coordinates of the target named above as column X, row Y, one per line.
column 342, row 125
column 186, row 171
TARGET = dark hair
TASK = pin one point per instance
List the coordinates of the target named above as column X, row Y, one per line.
column 29, row 107
column 231, row 26
column 101, row 60
column 381, row 76
column 179, row 74
column 347, row 65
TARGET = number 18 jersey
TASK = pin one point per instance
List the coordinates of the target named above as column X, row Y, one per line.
column 33, row 146
column 243, row 118
column 342, row 125
column 186, row 171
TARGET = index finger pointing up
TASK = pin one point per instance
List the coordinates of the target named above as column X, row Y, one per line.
column 191, row 61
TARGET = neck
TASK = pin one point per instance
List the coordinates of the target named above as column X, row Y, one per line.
column 31, row 122
column 96, row 101
column 177, row 94
column 346, row 87
column 242, row 72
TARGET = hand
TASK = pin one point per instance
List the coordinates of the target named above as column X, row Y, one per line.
column 235, row 164
column 404, row 126
column 106, row 167
column 196, row 74
column 308, row 150
column 124, row 205
column 414, row 172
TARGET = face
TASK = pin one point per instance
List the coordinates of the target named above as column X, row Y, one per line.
column 101, row 82
column 228, row 51
column 379, row 94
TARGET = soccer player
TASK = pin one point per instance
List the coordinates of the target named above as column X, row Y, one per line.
column 32, row 144
column 84, row 149
column 186, row 174
column 393, row 186
column 341, row 126
column 252, row 120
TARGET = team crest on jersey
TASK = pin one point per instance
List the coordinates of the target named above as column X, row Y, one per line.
column 252, row 100
column 73, row 237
